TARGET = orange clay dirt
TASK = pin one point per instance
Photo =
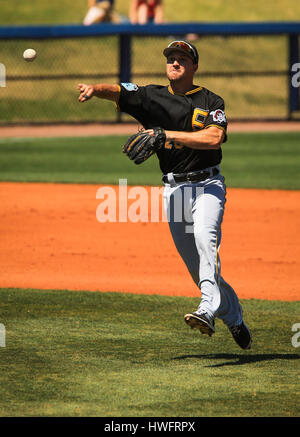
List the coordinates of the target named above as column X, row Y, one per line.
column 51, row 239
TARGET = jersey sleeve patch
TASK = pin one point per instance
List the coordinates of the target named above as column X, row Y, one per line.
column 130, row 86
column 218, row 116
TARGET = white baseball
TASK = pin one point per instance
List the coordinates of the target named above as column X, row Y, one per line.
column 29, row 55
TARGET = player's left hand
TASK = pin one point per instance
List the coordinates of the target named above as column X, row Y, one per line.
column 153, row 132
column 140, row 146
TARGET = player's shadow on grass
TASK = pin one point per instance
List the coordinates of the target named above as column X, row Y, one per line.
column 238, row 358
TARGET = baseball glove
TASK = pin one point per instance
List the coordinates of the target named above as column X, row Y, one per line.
column 141, row 145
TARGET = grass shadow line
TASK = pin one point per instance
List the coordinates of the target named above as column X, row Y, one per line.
column 239, row 359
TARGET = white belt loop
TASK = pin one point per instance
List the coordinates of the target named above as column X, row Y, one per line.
column 171, row 179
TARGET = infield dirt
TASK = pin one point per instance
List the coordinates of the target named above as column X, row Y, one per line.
column 51, row 239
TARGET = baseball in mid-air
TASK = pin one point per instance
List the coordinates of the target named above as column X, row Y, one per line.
column 29, row 55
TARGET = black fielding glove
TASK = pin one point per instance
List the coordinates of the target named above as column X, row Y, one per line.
column 140, row 146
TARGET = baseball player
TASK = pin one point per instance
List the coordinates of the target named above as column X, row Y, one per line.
column 192, row 123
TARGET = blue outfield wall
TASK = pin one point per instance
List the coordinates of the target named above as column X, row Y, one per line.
column 71, row 31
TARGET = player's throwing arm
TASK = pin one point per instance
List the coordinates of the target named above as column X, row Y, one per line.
column 103, row 91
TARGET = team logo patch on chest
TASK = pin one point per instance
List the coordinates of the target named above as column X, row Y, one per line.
column 218, row 116
column 199, row 117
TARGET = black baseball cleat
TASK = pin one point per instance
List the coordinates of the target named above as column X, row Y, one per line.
column 242, row 335
column 201, row 322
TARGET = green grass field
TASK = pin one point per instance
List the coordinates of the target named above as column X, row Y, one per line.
column 250, row 161
column 71, row 353
column 72, row 11
column 119, row 355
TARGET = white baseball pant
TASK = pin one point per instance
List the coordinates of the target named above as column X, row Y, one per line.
column 195, row 213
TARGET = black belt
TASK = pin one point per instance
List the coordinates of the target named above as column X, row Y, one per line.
column 193, row 176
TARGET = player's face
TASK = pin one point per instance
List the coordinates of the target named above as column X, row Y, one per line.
column 180, row 66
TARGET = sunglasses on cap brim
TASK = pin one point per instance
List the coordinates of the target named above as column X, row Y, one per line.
column 183, row 46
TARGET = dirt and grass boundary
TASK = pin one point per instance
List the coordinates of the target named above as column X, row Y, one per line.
column 94, row 129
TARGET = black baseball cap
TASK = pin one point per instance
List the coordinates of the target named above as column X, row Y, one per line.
column 184, row 47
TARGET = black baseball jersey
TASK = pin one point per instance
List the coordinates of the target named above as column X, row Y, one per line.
column 156, row 105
